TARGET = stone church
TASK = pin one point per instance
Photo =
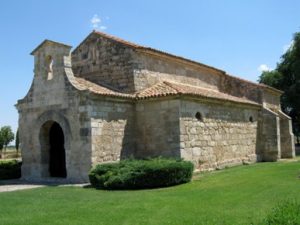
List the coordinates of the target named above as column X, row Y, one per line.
column 110, row 99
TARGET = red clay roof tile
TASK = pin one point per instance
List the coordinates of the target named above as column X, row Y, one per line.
column 161, row 89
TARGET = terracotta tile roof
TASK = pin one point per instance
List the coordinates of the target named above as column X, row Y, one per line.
column 161, row 89
column 82, row 84
column 172, row 88
column 157, row 90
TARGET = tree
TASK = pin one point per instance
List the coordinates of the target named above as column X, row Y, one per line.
column 17, row 141
column 286, row 77
column 1, row 145
column 271, row 78
column 6, row 136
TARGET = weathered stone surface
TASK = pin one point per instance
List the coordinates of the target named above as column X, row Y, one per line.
column 107, row 111
column 105, row 62
column 224, row 135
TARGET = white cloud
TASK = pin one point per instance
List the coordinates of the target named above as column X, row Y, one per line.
column 263, row 67
column 95, row 21
column 288, row 46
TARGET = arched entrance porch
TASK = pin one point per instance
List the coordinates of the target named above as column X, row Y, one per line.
column 53, row 152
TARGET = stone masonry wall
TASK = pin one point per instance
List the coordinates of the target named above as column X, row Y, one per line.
column 271, row 100
column 151, row 69
column 105, row 62
column 54, row 100
column 157, row 128
column 269, row 135
column 286, row 136
column 223, row 136
column 71, row 115
column 239, row 88
column 112, row 131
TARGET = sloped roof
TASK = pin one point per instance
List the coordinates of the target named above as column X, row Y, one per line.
column 83, row 84
column 161, row 89
column 166, row 88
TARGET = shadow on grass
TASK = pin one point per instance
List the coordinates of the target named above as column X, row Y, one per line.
column 48, row 183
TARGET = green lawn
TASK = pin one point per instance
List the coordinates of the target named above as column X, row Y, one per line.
column 239, row 195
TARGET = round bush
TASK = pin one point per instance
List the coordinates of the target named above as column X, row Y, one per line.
column 139, row 174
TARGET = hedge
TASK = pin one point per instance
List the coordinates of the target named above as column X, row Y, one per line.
column 10, row 169
column 140, row 174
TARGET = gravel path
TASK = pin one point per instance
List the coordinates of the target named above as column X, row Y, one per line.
column 15, row 185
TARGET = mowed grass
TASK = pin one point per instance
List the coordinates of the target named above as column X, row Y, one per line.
column 239, row 195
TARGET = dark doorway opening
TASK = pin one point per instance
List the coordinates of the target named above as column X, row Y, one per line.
column 57, row 156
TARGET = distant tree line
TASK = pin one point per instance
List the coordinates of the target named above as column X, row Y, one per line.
column 286, row 77
column 6, row 136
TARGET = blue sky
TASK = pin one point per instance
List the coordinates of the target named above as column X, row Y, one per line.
column 238, row 36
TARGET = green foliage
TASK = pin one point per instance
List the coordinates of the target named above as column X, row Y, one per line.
column 139, row 174
column 10, row 169
column 236, row 196
column 286, row 77
column 17, row 140
column 6, row 135
column 271, row 78
column 1, row 143
column 285, row 213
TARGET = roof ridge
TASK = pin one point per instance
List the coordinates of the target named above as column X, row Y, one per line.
column 118, row 39
column 148, row 88
column 169, row 83
column 160, row 52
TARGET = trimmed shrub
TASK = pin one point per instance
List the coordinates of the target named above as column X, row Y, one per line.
column 10, row 169
column 140, row 174
column 285, row 213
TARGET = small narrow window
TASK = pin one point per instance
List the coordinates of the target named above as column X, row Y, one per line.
column 251, row 119
column 199, row 116
column 49, row 67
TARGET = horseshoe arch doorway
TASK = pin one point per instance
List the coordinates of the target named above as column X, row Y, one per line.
column 53, row 152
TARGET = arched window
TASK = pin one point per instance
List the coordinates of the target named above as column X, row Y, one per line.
column 49, row 69
column 251, row 119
